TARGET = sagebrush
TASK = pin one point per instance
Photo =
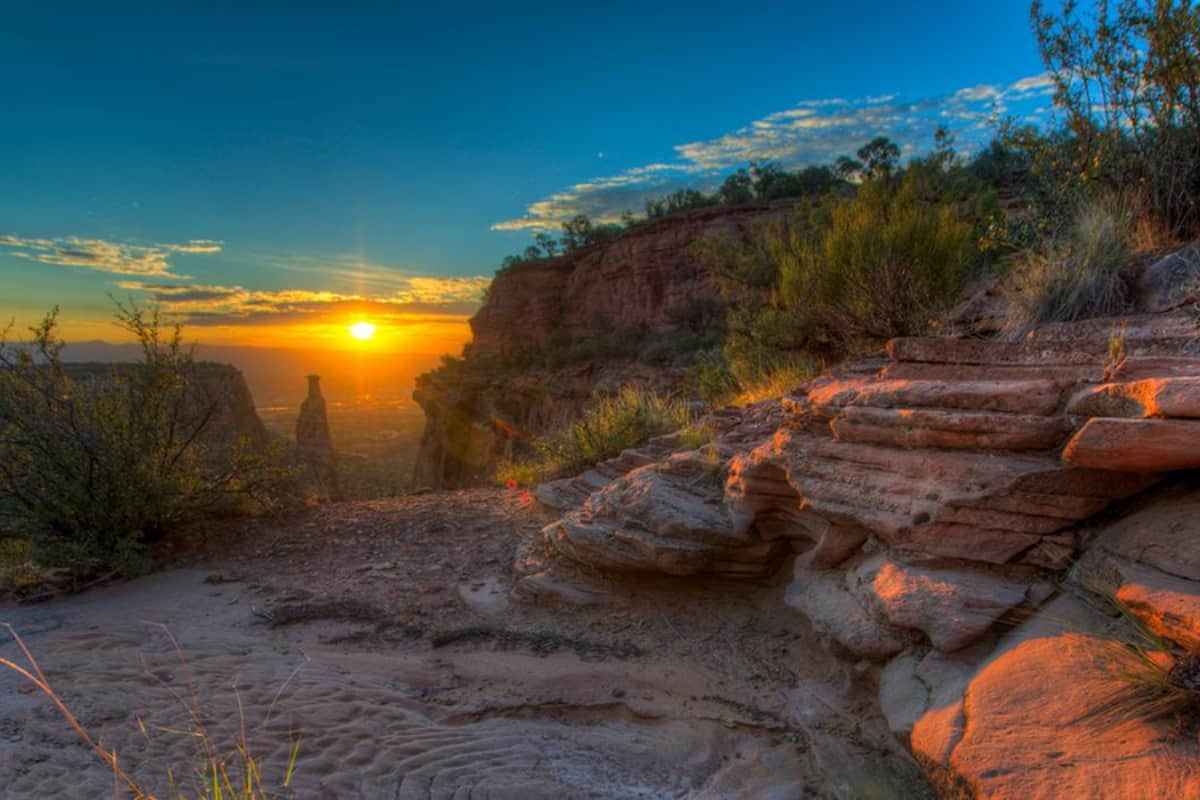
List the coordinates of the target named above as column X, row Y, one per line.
column 93, row 467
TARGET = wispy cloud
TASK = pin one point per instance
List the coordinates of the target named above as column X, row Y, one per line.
column 102, row 255
column 810, row 132
column 205, row 304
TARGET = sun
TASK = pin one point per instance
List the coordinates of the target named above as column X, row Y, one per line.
column 362, row 331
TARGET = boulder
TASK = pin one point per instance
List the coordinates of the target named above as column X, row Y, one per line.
column 1171, row 281
column 834, row 611
column 1168, row 606
column 668, row 518
column 1033, row 725
column 953, row 607
column 1136, row 445
column 1164, row 534
column 913, row 687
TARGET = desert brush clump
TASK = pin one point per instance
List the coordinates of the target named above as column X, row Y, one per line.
column 848, row 271
column 93, row 467
column 613, row 423
column 215, row 773
column 1077, row 273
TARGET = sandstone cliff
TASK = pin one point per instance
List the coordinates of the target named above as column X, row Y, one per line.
column 639, row 285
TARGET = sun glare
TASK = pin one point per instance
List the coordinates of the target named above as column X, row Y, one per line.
column 362, row 331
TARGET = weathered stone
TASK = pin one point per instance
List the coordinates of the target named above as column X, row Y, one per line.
column 996, row 352
column 1136, row 445
column 903, row 696
column 1053, row 553
column 964, row 430
column 669, row 518
column 570, row 493
column 1140, row 367
column 974, row 373
column 1032, row 727
column 913, row 687
column 958, row 504
column 834, row 611
column 1169, row 606
column 1152, row 397
column 967, row 542
column 1171, row 281
column 1039, row 397
column 952, row 607
column 1164, row 535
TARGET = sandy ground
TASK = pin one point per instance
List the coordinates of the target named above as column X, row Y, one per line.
column 384, row 636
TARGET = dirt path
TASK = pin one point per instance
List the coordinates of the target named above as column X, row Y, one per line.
column 384, row 635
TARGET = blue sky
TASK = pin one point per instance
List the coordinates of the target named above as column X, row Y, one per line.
column 254, row 171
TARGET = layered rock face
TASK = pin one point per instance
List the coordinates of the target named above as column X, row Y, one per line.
column 639, row 280
column 638, row 284
column 942, row 510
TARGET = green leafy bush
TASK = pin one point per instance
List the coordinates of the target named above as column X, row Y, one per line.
column 847, row 271
column 881, row 264
column 93, row 468
column 1127, row 80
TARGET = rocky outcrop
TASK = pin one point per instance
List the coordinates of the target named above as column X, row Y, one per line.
column 941, row 510
column 1053, row 708
column 314, row 443
column 646, row 284
column 643, row 279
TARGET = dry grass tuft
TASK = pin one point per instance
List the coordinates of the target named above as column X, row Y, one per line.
column 1077, row 274
column 614, row 423
column 1151, row 677
column 774, row 383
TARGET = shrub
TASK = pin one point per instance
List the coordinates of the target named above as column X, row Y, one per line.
column 1127, row 79
column 679, row 202
column 880, row 265
column 612, row 424
column 514, row 472
column 847, row 271
column 780, row 378
column 712, row 379
column 1076, row 274
column 93, row 468
column 693, row 437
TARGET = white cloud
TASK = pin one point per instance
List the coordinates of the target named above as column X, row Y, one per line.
column 811, row 132
column 121, row 258
column 214, row 304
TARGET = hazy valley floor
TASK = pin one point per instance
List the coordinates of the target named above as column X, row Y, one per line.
column 384, row 635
